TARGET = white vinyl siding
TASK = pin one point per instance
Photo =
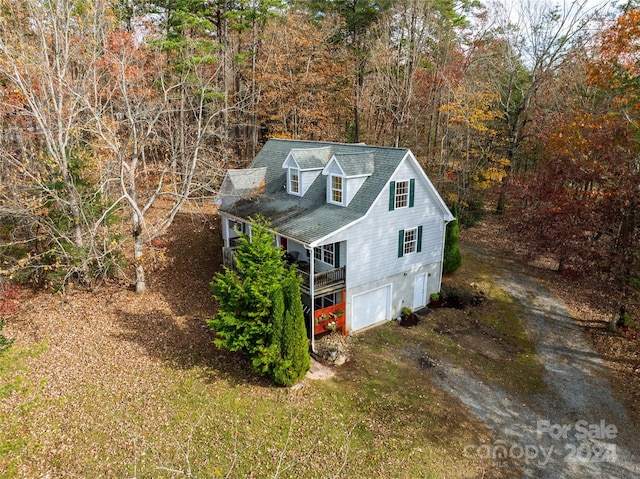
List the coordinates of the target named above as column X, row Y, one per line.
column 352, row 185
column 374, row 240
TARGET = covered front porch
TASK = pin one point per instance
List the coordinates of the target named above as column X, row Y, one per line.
column 323, row 273
column 322, row 270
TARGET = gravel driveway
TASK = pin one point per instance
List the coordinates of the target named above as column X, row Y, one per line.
column 575, row 429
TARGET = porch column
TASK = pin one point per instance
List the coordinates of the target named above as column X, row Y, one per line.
column 225, row 231
column 312, row 260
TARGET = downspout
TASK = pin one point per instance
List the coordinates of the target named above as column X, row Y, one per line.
column 311, row 294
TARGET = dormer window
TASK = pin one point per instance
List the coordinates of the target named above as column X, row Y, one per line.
column 337, row 189
column 345, row 175
column 294, row 181
column 303, row 167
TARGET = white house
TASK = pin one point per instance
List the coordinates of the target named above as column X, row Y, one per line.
column 363, row 224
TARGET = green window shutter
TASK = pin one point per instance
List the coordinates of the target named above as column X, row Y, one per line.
column 392, row 195
column 336, row 255
column 400, row 243
column 419, row 246
column 412, row 190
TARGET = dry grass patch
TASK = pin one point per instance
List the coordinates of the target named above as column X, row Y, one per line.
column 119, row 393
column 113, row 384
column 488, row 340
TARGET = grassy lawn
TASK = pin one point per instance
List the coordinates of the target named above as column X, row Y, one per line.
column 488, row 340
column 113, row 384
column 380, row 418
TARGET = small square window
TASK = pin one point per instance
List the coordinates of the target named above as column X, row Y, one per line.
column 402, row 194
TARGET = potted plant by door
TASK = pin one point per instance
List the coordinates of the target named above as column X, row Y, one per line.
column 435, row 300
column 408, row 317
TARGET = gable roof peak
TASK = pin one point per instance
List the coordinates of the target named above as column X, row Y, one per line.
column 361, row 163
column 309, row 158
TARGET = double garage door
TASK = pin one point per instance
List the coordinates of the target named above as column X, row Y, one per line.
column 371, row 307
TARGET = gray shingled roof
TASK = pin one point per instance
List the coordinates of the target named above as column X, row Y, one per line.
column 243, row 182
column 356, row 164
column 309, row 158
column 310, row 218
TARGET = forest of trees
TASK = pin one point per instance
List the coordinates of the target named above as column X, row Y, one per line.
column 113, row 113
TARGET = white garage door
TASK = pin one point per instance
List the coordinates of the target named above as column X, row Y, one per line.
column 371, row 307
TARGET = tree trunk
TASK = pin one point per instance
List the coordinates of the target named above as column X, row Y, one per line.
column 356, row 108
column 137, row 222
column 141, row 285
column 616, row 314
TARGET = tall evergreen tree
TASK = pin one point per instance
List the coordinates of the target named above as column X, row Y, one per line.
column 261, row 310
column 246, row 297
column 294, row 347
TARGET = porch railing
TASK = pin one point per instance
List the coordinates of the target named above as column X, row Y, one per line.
column 323, row 279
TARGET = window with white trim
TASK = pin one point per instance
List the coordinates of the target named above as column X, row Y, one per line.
column 410, row 241
column 402, row 194
column 325, row 253
column 337, row 184
column 294, row 180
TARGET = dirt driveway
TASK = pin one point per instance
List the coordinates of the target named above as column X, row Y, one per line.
column 576, row 428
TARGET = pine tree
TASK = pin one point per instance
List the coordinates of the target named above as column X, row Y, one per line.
column 294, row 347
column 246, row 296
column 261, row 310
column 452, row 256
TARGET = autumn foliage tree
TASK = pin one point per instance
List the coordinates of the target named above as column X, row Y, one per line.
column 115, row 113
column 99, row 125
column 156, row 126
column 53, row 208
column 614, row 73
column 535, row 47
column 581, row 205
column 303, row 79
column 475, row 143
